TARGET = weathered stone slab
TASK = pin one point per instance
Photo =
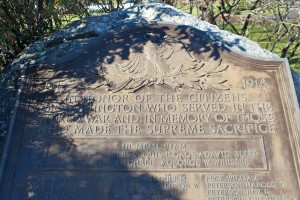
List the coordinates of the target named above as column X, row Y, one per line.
column 154, row 112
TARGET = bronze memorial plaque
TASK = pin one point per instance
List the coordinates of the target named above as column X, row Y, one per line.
column 154, row 112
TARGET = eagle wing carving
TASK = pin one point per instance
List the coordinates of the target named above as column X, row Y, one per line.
column 167, row 63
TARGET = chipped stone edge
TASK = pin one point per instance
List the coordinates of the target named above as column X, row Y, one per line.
column 8, row 138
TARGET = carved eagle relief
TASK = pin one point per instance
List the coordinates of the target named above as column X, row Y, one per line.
column 166, row 62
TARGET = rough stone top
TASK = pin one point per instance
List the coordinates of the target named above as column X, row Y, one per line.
column 79, row 33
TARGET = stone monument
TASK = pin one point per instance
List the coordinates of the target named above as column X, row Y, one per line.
column 154, row 111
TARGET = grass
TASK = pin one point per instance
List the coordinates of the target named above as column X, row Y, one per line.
column 186, row 8
column 260, row 33
column 263, row 35
column 68, row 18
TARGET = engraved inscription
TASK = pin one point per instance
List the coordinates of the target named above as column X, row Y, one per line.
column 158, row 155
column 254, row 187
column 195, row 114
